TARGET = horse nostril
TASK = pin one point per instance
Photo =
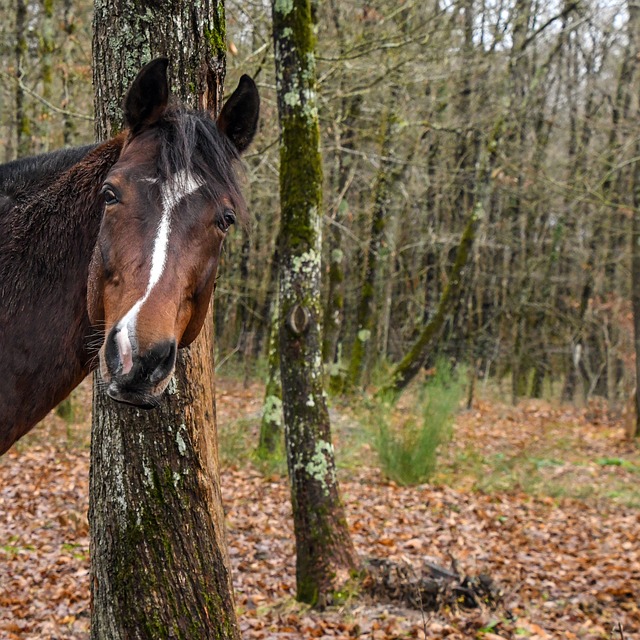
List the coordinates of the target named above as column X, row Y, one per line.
column 111, row 353
column 160, row 360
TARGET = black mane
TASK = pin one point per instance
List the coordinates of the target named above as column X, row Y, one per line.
column 191, row 140
column 21, row 176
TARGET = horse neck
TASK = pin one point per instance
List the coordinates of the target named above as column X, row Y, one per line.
column 46, row 244
column 48, row 238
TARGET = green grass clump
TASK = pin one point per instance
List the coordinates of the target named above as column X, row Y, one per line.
column 408, row 452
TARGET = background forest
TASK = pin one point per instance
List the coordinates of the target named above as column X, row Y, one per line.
column 519, row 113
column 481, row 186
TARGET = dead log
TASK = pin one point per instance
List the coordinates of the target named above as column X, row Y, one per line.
column 428, row 586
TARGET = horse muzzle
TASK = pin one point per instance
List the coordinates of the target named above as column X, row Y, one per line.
column 138, row 379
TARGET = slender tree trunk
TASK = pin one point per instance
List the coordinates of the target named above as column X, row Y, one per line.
column 68, row 126
column 344, row 170
column 45, row 56
column 325, row 553
column 634, row 32
column 366, row 314
column 271, row 423
column 23, row 126
column 409, row 366
column 159, row 561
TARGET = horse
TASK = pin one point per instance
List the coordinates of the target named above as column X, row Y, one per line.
column 109, row 252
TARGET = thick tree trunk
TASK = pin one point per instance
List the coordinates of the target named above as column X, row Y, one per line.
column 325, row 553
column 127, row 34
column 159, row 562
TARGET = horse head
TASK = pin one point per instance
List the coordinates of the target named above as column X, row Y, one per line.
column 169, row 201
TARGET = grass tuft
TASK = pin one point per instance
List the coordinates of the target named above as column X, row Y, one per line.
column 407, row 441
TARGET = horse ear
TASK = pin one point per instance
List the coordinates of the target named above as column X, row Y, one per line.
column 148, row 95
column 239, row 117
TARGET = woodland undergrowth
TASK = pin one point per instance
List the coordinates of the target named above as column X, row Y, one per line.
column 541, row 498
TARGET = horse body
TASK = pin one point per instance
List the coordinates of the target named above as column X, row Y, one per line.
column 115, row 246
column 46, row 243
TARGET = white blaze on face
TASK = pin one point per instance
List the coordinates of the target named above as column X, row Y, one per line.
column 172, row 192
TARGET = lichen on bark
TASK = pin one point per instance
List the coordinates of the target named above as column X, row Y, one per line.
column 159, row 561
column 323, row 545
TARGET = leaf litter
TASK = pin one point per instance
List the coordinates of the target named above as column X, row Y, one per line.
column 566, row 561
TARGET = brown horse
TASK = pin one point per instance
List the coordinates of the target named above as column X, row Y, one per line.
column 115, row 245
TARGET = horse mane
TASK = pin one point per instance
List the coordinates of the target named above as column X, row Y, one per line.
column 19, row 177
column 191, row 140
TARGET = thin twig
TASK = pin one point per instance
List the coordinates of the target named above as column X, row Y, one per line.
column 229, row 355
column 46, row 103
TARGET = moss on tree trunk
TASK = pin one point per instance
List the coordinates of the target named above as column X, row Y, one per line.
column 325, row 553
column 159, row 561
column 271, row 423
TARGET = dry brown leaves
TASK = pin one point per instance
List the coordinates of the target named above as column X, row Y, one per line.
column 568, row 568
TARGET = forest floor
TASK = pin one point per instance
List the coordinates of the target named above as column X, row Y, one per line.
column 544, row 499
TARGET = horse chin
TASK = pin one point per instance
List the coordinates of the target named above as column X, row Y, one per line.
column 140, row 401
column 141, row 397
column 141, row 387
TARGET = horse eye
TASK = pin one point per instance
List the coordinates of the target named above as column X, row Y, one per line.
column 109, row 195
column 226, row 220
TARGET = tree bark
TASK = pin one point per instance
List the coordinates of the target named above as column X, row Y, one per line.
column 366, row 313
column 159, row 561
column 271, row 423
column 325, row 553
column 126, row 34
column 634, row 32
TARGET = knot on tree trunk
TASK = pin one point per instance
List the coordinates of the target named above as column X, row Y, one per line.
column 298, row 319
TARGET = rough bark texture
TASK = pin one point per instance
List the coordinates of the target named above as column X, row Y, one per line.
column 325, row 553
column 271, row 423
column 159, row 563
column 159, row 560
column 634, row 32
column 127, row 34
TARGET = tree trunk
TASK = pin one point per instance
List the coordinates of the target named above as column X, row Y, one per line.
column 366, row 313
column 409, row 366
column 344, row 171
column 125, row 35
column 325, row 553
column 634, row 32
column 159, row 561
column 271, row 423
column 23, row 126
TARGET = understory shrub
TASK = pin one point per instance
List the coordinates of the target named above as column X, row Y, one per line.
column 407, row 439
